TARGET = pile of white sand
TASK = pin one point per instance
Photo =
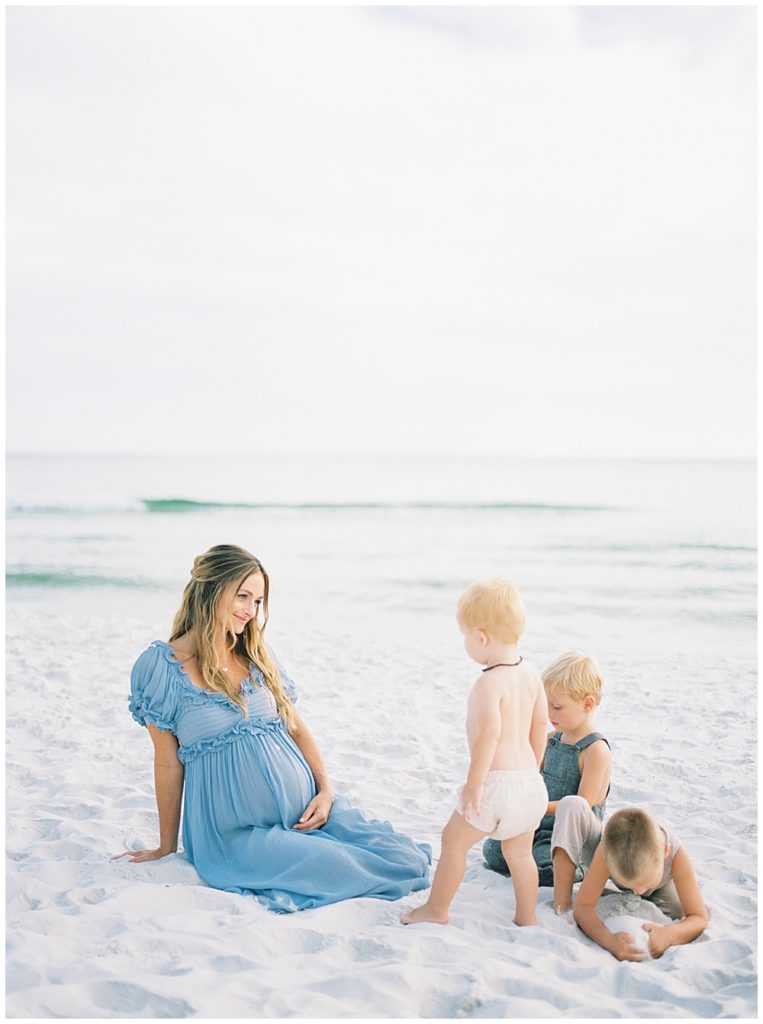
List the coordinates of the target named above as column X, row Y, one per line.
column 92, row 937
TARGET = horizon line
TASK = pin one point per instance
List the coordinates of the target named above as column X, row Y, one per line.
column 412, row 457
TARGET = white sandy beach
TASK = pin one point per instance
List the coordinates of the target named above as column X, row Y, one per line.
column 91, row 937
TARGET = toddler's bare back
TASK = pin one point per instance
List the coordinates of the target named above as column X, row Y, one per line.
column 507, row 699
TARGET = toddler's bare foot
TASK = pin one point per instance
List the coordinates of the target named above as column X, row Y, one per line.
column 423, row 914
column 526, row 924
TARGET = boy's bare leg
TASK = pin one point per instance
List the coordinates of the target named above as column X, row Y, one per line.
column 518, row 853
column 458, row 837
column 564, row 879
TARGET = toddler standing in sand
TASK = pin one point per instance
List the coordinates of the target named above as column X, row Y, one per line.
column 504, row 795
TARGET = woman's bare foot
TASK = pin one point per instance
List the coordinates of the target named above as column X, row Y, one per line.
column 423, row 914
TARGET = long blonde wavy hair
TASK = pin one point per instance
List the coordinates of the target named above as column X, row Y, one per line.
column 223, row 566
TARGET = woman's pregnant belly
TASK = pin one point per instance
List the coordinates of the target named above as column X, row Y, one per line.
column 258, row 780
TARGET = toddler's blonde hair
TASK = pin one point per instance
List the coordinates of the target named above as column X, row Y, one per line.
column 575, row 674
column 495, row 607
column 632, row 844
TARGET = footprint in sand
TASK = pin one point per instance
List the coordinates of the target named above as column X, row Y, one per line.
column 231, row 964
column 120, row 998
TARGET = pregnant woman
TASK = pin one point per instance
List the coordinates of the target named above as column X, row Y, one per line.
column 259, row 816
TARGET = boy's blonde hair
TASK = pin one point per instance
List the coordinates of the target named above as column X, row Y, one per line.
column 495, row 607
column 632, row 845
column 575, row 674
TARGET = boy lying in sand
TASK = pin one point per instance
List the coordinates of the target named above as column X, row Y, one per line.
column 504, row 795
column 641, row 856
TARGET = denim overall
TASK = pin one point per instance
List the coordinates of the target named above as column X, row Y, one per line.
column 561, row 773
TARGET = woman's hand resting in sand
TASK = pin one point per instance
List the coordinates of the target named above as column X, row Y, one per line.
column 136, row 856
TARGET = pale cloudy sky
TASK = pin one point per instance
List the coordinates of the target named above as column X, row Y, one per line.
column 426, row 230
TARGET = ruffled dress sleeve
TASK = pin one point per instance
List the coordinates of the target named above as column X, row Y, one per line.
column 154, row 690
column 289, row 686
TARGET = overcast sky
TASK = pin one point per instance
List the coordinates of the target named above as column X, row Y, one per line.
column 379, row 230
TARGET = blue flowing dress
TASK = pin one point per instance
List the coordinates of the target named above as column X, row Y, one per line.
column 247, row 783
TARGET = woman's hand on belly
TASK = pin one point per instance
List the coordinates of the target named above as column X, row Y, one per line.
column 317, row 812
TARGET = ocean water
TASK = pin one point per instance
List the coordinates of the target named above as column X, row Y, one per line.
column 650, row 557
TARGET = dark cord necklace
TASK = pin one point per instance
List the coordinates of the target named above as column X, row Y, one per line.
column 504, row 664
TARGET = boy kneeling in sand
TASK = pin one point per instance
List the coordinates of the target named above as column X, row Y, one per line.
column 641, row 856
column 504, row 795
